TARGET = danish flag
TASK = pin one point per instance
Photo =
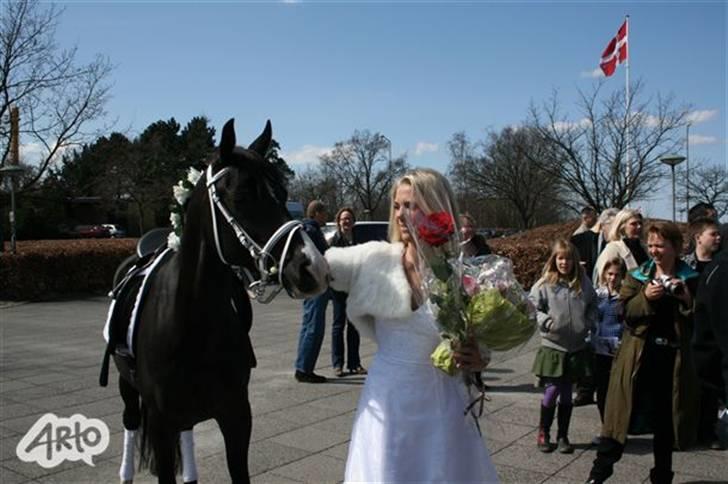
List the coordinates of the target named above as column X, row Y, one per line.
column 616, row 51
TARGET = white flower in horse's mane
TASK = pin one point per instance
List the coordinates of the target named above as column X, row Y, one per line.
column 182, row 192
column 173, row 241
column 193, row 176
column 176, row 219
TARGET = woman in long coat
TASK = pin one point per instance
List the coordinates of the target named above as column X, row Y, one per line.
column 654, row 361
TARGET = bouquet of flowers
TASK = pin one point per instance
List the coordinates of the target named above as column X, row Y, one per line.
column 475, row 299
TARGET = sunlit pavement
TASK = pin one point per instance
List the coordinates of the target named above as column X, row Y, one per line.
column 50, row 356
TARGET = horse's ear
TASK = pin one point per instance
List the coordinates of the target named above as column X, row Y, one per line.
column 227, row 141
column 262, row 144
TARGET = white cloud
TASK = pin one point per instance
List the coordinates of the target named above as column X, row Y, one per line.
column 425, row 147
column 290, row 1
column 306, row 154
column 652, row 121
column 567, row 125
column 32, row 153
column 702, row 115
column 595, row 74
column 697, row 139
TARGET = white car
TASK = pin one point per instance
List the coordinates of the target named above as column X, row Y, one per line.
column 115, row 230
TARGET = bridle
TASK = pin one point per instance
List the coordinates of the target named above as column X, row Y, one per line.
column 270, row 268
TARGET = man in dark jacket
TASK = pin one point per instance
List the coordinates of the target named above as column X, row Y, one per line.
column 590, row 244
column 314, row 308
column 710, row 340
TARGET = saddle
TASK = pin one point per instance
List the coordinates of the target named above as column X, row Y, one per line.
column 127, row 299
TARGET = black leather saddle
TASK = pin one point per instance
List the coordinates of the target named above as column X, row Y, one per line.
column 149, row 247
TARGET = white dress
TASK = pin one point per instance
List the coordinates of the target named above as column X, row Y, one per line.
column 409, row 425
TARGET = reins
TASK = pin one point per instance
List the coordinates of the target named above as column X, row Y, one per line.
column 271, row 279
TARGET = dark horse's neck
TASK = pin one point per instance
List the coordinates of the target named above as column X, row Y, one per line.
column 204, row 280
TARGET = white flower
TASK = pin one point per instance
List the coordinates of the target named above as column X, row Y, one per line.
column 173, row 242
column 176, row 219
column 193, row 175
column 181, row 194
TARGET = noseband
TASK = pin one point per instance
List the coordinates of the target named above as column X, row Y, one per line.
column 271, row 279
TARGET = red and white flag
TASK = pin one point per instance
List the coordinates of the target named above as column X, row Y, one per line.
column 616, row 51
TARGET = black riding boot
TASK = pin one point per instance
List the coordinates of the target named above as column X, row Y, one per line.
column 658, row 476
column 562, row 436
column 544, row 429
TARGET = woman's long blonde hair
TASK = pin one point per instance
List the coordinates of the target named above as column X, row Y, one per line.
column 431, row 192
column 551, row 274
column 616, row 231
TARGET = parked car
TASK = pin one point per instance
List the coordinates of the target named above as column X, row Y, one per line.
column 368, row 231
column 295, row 209
column 362, row 231
column 91, row 231
column 115, row 230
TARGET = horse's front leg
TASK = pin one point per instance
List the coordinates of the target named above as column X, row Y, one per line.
column 236, row 425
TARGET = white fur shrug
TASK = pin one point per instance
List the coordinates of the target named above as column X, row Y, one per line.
column 374, row 277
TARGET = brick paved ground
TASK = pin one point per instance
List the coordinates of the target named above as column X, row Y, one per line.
column 50, row 354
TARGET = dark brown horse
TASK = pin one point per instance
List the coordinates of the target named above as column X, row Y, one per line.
column 192, row 352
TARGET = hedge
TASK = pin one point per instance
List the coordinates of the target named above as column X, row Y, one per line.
column 48, row 269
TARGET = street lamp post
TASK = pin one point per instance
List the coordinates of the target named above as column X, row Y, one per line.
column 672, row 160
column 12, row 171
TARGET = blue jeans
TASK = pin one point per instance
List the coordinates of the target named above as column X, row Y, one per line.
column 312, row 331
column 337, row 335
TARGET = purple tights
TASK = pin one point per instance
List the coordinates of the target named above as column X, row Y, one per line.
column 557, row 388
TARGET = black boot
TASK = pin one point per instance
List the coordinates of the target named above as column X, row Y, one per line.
column 544, row 429
column 659, row 476
column 562, row 436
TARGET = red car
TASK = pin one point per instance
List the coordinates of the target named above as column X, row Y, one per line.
column 92, row 232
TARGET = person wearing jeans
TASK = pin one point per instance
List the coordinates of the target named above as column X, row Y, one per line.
column 314, row 308
column 345, row 220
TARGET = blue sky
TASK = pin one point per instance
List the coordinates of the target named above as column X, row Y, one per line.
column 416, row 72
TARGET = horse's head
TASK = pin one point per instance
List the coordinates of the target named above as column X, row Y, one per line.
column 251, row 224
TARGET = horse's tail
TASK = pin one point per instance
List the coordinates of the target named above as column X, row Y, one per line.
column 150, row 431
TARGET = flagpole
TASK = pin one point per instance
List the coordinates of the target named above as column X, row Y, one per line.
column 627, row 109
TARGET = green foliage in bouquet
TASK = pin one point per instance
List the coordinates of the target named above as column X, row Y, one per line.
column 497, row 322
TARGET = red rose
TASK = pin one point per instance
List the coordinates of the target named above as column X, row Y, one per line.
column 436, row 228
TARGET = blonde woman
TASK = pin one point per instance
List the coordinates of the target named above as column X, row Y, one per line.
column 625, row 242
column 409, row 425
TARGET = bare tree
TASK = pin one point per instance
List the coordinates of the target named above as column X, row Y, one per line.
column 313, row 183
column 708, row 183
column 363, row 170
column 505, row 173
column 590, row 154
column 56, row 96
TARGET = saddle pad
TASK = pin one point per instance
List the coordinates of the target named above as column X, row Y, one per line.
column 144, row 288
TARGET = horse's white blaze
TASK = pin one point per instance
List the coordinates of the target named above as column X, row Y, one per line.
column 319, row 268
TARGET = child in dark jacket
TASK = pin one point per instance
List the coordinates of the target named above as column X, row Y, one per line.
column 566, row 311
column 608, row 332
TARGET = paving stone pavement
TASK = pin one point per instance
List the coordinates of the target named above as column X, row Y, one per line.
column 49, row 362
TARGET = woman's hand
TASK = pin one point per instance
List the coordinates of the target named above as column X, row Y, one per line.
column 684, row 293
column 467, row 357
column 654, row 291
